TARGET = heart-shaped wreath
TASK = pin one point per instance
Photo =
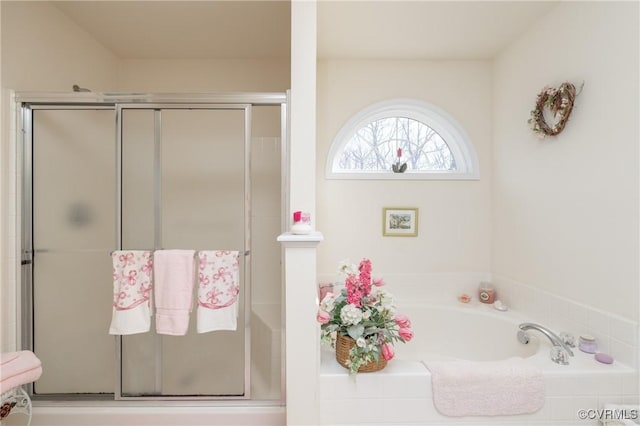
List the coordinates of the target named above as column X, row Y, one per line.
column 559, row 102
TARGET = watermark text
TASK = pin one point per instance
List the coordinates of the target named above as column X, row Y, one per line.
column 609, row 414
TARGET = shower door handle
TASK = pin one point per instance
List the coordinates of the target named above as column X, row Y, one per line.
column 27, row 257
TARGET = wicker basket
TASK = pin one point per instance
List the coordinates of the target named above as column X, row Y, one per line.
column 344, row 344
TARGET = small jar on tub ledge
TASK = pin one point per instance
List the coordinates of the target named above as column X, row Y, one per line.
column 588, row 344
column 486, row 293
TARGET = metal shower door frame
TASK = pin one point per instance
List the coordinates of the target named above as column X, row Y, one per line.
column 119, row 102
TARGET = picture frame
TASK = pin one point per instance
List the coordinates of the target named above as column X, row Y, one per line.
column 400, row 221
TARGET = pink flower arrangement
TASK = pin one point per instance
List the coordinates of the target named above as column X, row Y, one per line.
column 365, row 313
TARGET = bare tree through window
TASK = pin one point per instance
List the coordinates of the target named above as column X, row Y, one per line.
column 373, row 147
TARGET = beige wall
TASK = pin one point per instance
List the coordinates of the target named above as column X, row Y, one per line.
column 204, row 75
column 454, row 223
column 43, row 50
column 565, row 210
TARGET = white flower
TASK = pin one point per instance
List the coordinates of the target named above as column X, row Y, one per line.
column 385, row 298
column 366, row 315
column 361, row 342
column 328, row 303
column 347, row 268
column 350, row 315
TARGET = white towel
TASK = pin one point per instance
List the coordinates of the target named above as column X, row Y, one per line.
column 492, row 388
column 218, row 289
column 132, row 287
column 173, row 290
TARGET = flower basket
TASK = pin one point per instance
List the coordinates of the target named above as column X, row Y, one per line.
column 344, row 345
column 360, row 323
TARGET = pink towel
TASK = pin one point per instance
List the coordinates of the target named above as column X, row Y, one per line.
column 173, row 271
column 218, row 289
column 18, row 368
column 132, row 277
column 492, row 388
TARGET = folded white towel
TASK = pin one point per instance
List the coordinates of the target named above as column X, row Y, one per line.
column 493, row 388
column 132, row 287
column 218, row 289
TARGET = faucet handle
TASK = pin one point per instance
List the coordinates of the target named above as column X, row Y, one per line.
column 523, row 337
column 559, row 355
column 568, row 339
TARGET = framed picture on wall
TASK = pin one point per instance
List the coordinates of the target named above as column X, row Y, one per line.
column 400, row 221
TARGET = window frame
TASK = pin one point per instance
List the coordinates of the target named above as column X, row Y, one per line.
column 439, row 120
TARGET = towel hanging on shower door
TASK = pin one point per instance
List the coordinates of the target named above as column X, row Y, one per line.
column 132, row 287
column 218, row 289
column 173, row 270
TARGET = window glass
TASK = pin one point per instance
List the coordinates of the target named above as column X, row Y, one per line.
column 402, row 139
column 380, row 144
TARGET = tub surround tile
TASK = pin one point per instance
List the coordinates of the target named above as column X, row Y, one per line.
column 625, row 353
column 340, row 411
column 579, row 314
column 615, row 335
column 612, row 386
column 598, row 322
column 568, row 408
column 624, row 330
column 560, row 385
column 633, row 400
column 411, row 381
column 394, row 411
column 603, row 340
column 629, row 386
column 424, row 287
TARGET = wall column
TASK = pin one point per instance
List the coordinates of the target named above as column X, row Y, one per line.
column 302, row 164
column 302, row 344
column 302, row 333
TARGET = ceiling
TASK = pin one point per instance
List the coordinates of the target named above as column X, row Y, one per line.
column 423, row 29
column 392, row 29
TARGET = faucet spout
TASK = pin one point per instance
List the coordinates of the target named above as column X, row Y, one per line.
column 553, row 338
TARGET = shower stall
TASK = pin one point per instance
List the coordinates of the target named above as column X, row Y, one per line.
column 105, row 172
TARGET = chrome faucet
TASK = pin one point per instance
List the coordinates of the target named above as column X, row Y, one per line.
column 560, row 350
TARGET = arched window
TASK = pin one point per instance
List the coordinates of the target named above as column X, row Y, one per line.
column 402, row 139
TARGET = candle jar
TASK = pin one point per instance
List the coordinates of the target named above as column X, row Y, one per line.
column 301, row 223
column 588, row 344
column 486, row 293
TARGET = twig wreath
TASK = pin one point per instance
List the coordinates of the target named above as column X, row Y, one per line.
column 559, row 101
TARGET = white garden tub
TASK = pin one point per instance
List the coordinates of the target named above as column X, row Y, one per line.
column 401, row 393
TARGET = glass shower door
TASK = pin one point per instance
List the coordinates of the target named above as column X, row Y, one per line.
column 185, row 186
column 74, row 229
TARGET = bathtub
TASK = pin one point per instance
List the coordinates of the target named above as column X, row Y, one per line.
column 401, row 393
column 468, row 332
